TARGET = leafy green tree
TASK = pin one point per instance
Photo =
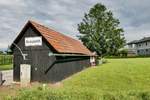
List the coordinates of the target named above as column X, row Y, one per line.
column 100, row 31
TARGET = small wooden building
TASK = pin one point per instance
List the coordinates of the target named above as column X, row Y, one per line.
column 52, row 55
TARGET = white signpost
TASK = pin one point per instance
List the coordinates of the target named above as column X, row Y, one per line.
column 33, row 41
column 25, row 74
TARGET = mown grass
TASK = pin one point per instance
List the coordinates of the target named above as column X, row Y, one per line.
column 63, row 94
column 6, row 67
column 6, row 62
column 118, row 79
column 117, row 74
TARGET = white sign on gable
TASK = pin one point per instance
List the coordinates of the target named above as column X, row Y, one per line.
column 33, row 41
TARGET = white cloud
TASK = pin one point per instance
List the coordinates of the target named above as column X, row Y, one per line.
column 3, row 46
column 64, row 15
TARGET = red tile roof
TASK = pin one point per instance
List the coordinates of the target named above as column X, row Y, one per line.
column 61, row 42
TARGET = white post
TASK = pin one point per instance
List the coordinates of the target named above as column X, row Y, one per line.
column 25, row 74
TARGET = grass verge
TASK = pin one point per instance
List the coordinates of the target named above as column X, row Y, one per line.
column 6, row 67
column 118, row 79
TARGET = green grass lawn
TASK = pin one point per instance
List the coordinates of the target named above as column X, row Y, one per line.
column 6, row 67
column 6, row 59
column 118, row 79
column 6, row 62
column 117, row 74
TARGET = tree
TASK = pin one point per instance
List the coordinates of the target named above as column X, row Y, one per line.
column 8, row 51
column 1, row 52
column 100, row 31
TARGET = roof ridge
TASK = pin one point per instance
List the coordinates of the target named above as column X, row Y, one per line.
column 34, row 22
column 69, row 44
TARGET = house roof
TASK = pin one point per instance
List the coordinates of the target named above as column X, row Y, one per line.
column 132, row 42
column 60, row 42
column 145, row 39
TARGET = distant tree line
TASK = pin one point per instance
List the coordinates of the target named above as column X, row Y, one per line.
column 6, row 52
column 1, row 52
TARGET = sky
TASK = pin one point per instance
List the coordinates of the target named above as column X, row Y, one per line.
column 64, row 15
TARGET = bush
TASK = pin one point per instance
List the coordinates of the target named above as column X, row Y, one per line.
column 123, row 53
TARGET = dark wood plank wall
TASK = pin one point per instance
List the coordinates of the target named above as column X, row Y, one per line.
column 40, row 61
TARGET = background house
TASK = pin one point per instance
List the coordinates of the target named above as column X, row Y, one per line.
column 52, row 55
column 140, row 47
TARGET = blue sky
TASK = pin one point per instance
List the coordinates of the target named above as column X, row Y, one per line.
column 64, row 15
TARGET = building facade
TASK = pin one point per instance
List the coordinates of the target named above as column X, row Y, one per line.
column 140, row 47
column 52, row 55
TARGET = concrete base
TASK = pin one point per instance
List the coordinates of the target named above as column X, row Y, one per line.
column 7, row 77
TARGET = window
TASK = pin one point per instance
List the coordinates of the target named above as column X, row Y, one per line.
column 146, row 50
column 139, row 45
column 146, row 43
column 130, row 46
